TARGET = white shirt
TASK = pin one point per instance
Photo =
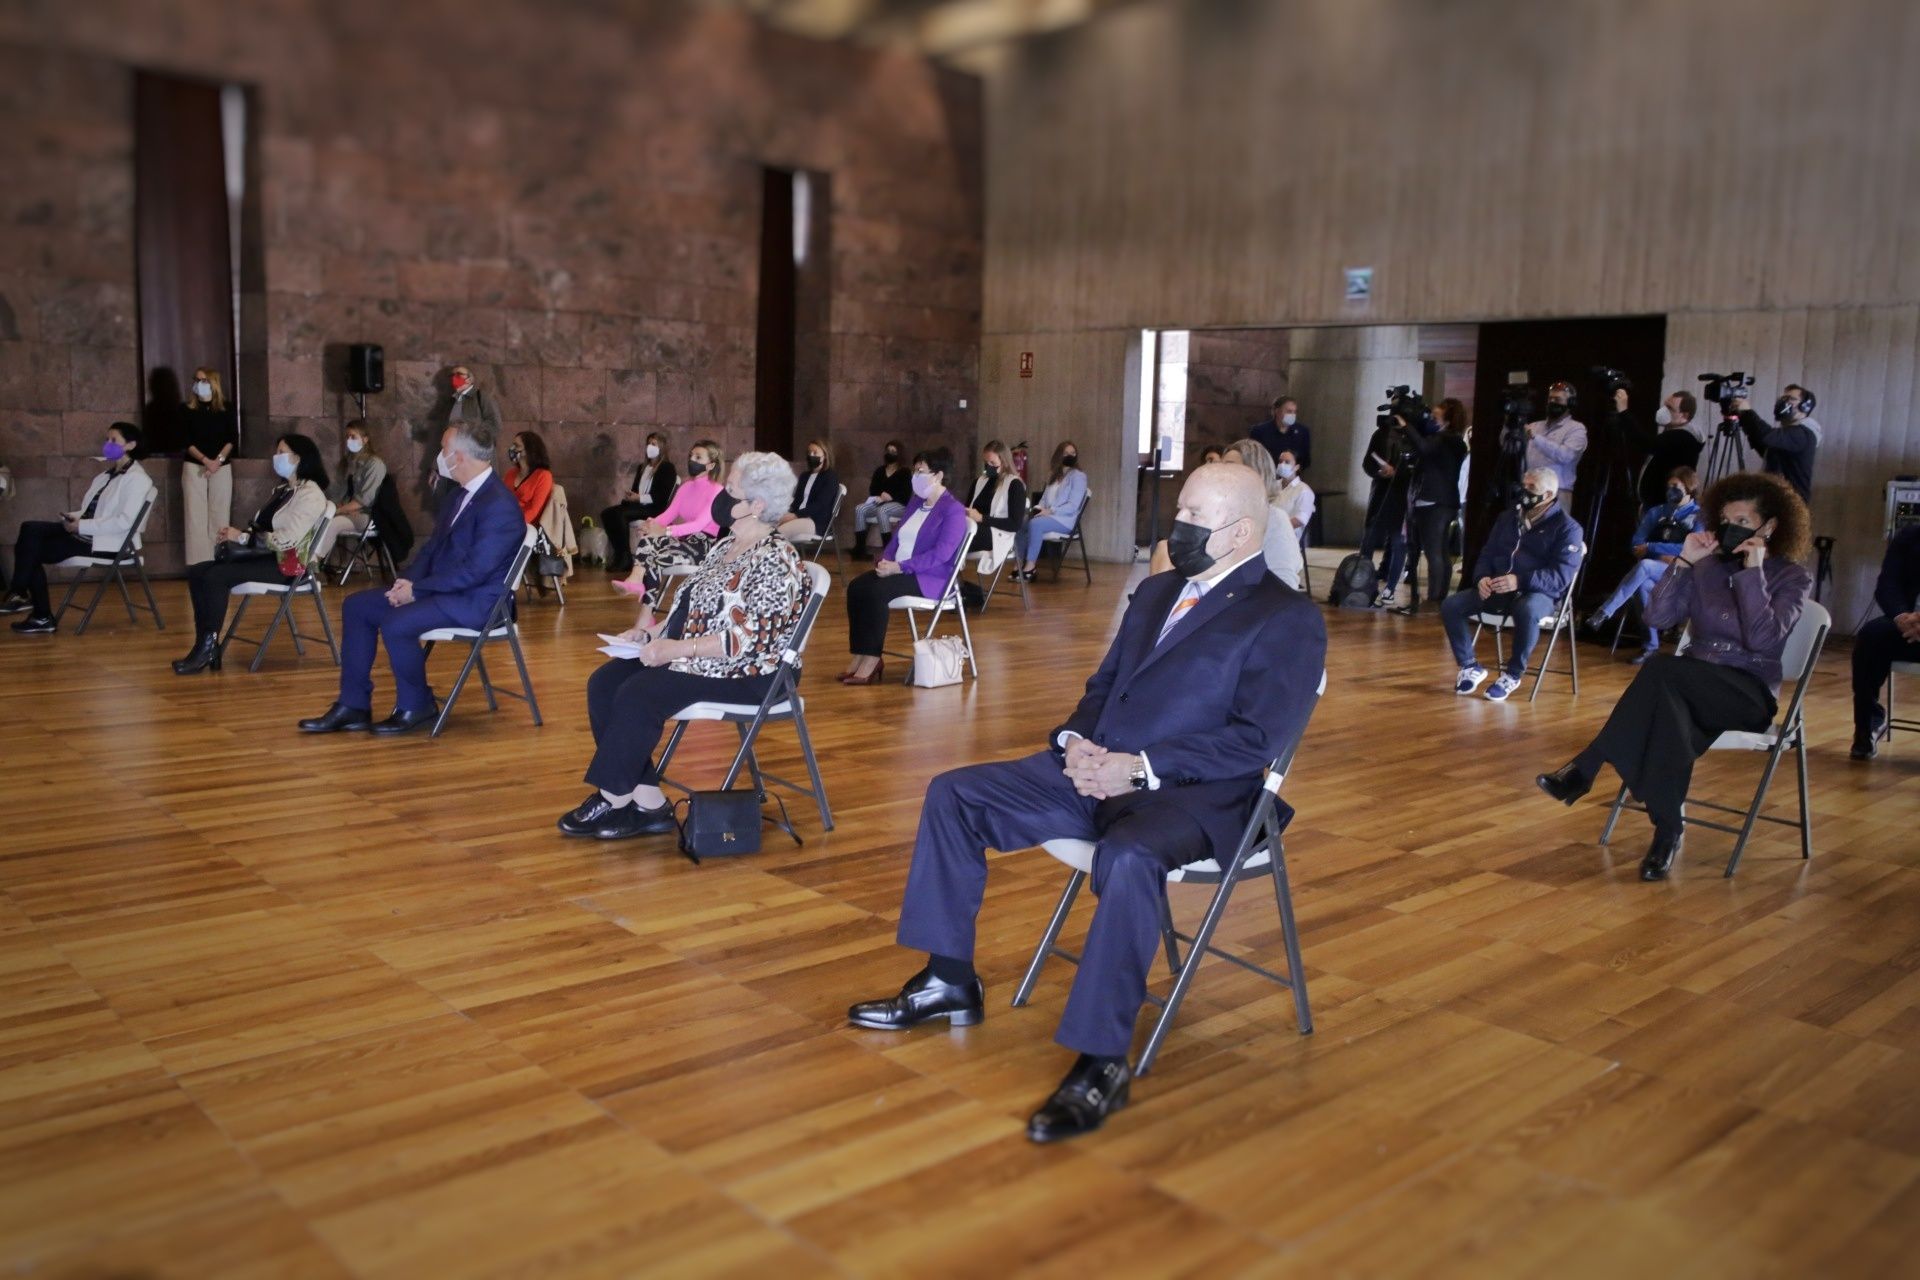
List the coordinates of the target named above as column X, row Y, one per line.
column 1295, row 497
column 806, row 491
column 645, row 487
column 909, row 533
column 471, row 487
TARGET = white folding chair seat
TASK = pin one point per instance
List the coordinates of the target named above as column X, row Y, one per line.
column 1261, row 852
column 307, row 584
column 782, row 702
column 499, row 626
column 1797, row 660
column 113, row 568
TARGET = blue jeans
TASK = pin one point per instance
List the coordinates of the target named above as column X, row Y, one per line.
column 1638, row 584
column 1027, row 543
column 1458, row 609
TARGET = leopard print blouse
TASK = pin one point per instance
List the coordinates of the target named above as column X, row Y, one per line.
column 754, row 602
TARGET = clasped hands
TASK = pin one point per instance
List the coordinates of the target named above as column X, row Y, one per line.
column 1908, row 624
column 1494, row 586
column 400, row 593
column 1097, row 772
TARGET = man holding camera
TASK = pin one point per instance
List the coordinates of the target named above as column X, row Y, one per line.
column 1558, row 441
column 1789, row 449
column 1669, row 445
column 1530, row 556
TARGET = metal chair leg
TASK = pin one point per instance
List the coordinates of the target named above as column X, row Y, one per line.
column 1806, row 813
column 260, row 650
column 1169, row 937
column 459, row 683
column 86, row 618
column 326, row 624
column 526, row 681
column 1290, row 937
column 966, row 638
column 813, row 765
column 126, row 597
column 1049, row 939
column 153, row 605
column 486, row 680
column 1613, row 814
column 1546, row 660
column 1183, row 980
column 1086, row 565
column 233, row 626
column 1753, row 809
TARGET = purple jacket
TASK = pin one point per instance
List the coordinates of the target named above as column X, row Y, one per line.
column 1739, row 617
column 937, row 545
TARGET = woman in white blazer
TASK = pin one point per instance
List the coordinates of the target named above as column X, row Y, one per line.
column 106, row 515
column 272, row 548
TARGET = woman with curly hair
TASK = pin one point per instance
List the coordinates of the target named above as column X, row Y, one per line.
column 1740, row 586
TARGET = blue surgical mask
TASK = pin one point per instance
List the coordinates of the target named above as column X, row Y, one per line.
column 284, row 465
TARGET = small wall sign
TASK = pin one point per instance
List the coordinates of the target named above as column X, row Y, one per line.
column 1026, row 364
column 1359, row 284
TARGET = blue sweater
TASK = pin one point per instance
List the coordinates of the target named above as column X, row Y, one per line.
column 1687, row 513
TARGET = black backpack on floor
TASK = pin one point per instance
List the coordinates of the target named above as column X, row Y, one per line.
column 1355, row 583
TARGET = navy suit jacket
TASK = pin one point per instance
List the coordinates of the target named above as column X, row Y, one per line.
column 463, row 563
column 1228, row 692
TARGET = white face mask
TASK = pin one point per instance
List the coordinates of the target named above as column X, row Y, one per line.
column 1289, row 419
column 441, row 464
column 1663, row 416
column 203, row 389
column 1286, row 470
column 653, row 451
column 355, row 444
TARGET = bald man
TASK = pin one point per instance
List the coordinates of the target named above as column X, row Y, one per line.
column 1211, row 677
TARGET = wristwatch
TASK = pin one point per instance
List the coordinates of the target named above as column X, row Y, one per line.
column 1138, row 774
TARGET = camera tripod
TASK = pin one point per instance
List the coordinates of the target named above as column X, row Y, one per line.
column 1726, row 453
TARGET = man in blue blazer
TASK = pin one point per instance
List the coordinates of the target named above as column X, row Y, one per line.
column 1212, row 676
column 455, row 580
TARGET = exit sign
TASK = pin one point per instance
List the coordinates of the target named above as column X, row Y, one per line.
column 1026, row 364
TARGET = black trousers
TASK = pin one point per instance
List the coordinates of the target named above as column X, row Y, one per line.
column 1429, row 528
column 211, row 581
column 867, row 599
column 41, row 543
column 1876, row 647
column 628, row 706
column 1666, row 720
column 618, row 520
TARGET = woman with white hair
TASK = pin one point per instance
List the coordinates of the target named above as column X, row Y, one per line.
column 723, row 643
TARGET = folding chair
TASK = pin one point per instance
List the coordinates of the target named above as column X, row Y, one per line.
column 1809, row 636
column 913, row 606
column 830, row 538
column 500, row 625
column 1061, row 541
column 993, row 583
column 114, row 568
column 358, row 557
column 1893, row 719
column 1559, row 622
column 782, row 702
column 307, row 584
column 1260, row 853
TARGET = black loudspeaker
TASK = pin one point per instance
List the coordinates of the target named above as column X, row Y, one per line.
column 366, row 368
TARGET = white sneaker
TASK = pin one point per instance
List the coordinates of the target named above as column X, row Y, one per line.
column 1469, row 679
column 1505, row 685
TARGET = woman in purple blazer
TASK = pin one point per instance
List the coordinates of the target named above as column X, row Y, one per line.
column 918, row 561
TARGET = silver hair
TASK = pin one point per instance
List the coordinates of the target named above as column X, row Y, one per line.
column 475, row 439
column 767, row 478
column 1549, row 478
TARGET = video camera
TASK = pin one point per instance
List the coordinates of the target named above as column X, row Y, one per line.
column 1724, row 388
column 1612, row 379
column 1403, row 403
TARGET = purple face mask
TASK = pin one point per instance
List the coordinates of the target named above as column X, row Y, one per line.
column 922, row 484
column 113, row 451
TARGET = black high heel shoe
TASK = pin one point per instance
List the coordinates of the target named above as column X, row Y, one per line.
column 1565, row 784
column 204, row 656
column 1660, row 854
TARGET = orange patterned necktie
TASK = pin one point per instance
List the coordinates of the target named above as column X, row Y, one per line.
column 1188, row 598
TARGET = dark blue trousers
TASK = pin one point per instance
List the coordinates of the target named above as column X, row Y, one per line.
column 1016, row 805
column 365, row 619
column 1456, row 616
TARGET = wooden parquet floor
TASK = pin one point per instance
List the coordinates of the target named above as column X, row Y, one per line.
column 283, row 1007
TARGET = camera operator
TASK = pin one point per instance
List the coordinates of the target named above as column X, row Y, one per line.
column 1669, row 444
column 1441, row 442
column 1558, row 441
column 1390, row 460
column 1530, row 556
column 1790, row 449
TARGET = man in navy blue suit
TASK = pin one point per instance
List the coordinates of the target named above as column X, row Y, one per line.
column 1212, row 675
column 455, row 580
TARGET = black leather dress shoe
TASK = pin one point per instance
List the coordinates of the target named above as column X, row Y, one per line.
column 405, row 721
column 923, row 999
column 339, row 717
column 583, row 817
column 1661, row 853
column 1863, row 748
column 1092, row 1091
column 204, row 656
column 1565, row 784
column 625, row 823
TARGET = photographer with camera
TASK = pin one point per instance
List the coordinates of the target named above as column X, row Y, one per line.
column 1558, row 441
column 1390, row 460
column 1790, row 449
column 1531, row 554
column 1670, row 443
column 1441, row 443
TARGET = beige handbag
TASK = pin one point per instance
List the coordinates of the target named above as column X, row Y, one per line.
column 937, row 662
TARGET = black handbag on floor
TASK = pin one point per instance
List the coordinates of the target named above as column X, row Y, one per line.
column 720, row 824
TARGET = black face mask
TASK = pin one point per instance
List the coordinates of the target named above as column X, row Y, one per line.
column 1556, row 410
column 813, row 462
column 1071, row 460
column 892, row 456
column 992, row 470
column 1676, row 495
column 722, row 509
column 1528, row 501
column 696, row 468
column 1187, row 548
column 1785, row 409
column 1732, row 535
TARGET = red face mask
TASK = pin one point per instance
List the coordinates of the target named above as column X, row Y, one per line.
column 459, row 383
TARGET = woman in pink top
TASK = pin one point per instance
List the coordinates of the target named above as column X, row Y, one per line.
column 686, row 530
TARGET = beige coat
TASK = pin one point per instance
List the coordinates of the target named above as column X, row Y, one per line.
column 558, row 526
